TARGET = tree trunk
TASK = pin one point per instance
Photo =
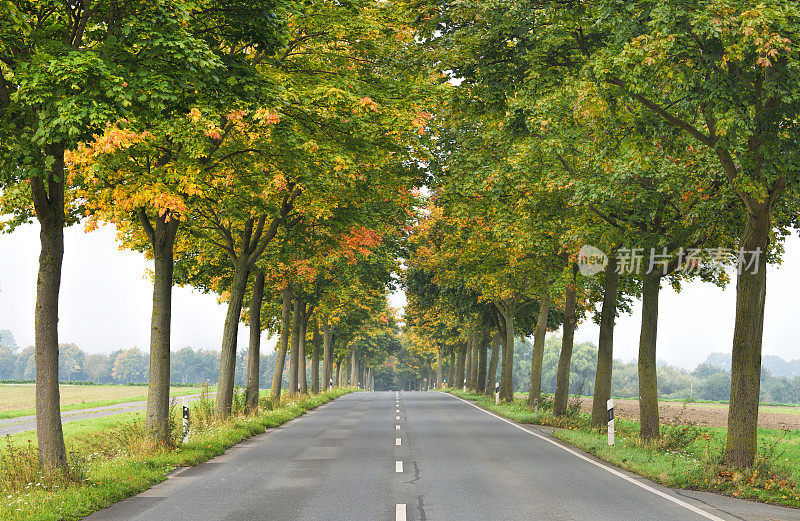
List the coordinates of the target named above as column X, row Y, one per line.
column 537, row 355
column 316, row 342
column 648, row 379
column 294, row 349
column 476, row 348
column 353, row 368
column 567, row 341
column 49, row 205
column 254, row 351
column 326, row 354
column 461, row 360
column 751, row 291
column 227, row 360
column 338, row 374
column 497, row 343
column 468, row 362
column 451, row 368
column 508, row 310
column 605, row 344
column 283, row 343
column 162, row 239
column 480, row 386
column 301, row 354
column 439, row 362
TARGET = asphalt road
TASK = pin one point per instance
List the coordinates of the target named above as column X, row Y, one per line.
column 416, row 456
column 28, row 423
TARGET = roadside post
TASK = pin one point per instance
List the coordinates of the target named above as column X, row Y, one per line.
column 330, row 384
column 497, row 393
column 185, row 420
column 465, row 385
column 610, row 406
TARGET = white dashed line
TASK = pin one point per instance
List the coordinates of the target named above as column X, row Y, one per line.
column 396, row 417
column 400, row 512
column 397, row 427
column 398, row 466
column 398, row 441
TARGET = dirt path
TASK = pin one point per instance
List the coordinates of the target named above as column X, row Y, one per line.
column 709, row 414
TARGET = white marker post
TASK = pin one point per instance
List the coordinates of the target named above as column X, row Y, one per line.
column 330, row 384
column 185, row 420
column 465, row 385
column 610, row 406
column 497, row 393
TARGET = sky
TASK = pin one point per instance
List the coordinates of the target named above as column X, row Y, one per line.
column 106, row 303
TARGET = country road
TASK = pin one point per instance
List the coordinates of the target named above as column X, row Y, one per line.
column 416, row 456
column 28, row 423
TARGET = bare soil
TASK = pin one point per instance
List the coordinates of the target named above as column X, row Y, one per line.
column 705, row 414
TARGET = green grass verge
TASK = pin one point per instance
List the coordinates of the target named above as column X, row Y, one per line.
column 114, row 467
column 97, row 403
column 687, row 457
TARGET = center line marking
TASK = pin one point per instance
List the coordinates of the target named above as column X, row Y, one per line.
column 398, row 441
column 400, row 512
column 396, row 417
column 397, row 427
column 398, row 466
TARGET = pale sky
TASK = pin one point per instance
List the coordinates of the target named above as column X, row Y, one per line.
column 106, row 299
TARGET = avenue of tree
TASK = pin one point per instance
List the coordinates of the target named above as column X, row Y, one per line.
column 273, row 152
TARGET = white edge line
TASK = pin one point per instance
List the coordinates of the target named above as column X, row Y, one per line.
column 597, row 463
column 400, row 512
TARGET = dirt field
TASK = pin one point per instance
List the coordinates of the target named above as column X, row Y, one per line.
column 711, row 414
column 14, row 397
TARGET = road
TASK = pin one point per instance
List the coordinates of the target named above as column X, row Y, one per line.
column 27, row 423
column 386, row 456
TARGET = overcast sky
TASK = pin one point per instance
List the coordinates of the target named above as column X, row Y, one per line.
column 106, row 298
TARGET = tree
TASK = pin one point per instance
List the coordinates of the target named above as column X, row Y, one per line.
column 70, row 361
column 130, row 366
column 65, row 72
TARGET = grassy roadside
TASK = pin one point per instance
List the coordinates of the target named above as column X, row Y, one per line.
column 686, row 457
column 180, row 391
column 111, row 461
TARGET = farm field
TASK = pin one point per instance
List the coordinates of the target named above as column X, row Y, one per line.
column 19, row 399
column 705, row 414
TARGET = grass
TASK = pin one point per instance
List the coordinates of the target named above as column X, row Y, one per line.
column 19, row 399
column 110, row 460
column 686, row 456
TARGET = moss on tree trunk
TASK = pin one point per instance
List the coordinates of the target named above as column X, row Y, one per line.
column 480, row 386
column 254, row 350
column 751, row 292
column 497, row 343
column 648, row 378
column 283, row 343
column 294, row 348
column 49, row 205
column 605, row 346
column 162, row 239
column 567, row 341
column 537, row 355
column 227, row 359
column 507, row 311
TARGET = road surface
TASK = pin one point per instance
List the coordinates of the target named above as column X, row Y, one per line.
column 28, row 423
column 386, row 456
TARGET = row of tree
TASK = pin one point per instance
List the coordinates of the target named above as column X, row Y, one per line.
column 662, row 134
column 266, row 151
